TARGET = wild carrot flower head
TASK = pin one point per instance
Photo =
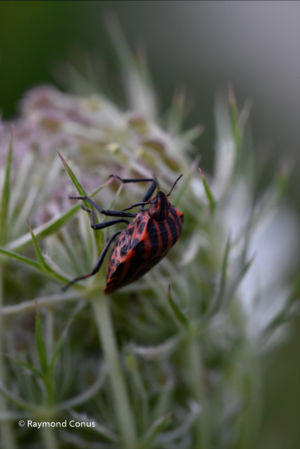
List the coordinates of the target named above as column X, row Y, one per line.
column 190, row 330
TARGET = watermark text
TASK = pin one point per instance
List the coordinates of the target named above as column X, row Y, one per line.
column 31, row 424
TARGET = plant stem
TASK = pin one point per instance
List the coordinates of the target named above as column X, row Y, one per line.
column 120, row 396
column 49, row 380
column 48, row 437
column 7, row 439
column 195, row 364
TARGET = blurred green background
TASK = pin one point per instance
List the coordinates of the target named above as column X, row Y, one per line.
column 202, row 46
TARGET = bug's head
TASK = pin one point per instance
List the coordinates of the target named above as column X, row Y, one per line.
column 159, row 206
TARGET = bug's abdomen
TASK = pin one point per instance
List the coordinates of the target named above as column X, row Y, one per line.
column 145, row 248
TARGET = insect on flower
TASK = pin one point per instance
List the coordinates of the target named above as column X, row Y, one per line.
column 144, row 241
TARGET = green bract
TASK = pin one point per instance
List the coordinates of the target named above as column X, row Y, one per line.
column 172, row 360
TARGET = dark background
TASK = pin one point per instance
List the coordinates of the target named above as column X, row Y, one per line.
column 203, row 46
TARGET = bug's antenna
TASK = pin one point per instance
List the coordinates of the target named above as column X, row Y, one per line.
column 172, row 188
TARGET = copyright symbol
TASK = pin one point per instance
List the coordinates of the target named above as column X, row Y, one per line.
column 21, row 423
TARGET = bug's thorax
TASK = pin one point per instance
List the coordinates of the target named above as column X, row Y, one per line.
column 160, row 207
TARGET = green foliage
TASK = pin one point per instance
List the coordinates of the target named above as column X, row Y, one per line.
column 172, row 360
column 5, row 196
column 208, row 193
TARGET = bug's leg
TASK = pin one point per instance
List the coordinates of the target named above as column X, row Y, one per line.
column 97, row 265
column 142, row 203
column 97, row 226
column 149, row 192
column 109, row 213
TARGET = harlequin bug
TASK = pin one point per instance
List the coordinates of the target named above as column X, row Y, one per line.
column 144, row 241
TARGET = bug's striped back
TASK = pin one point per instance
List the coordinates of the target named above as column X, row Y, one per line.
column 141, row 246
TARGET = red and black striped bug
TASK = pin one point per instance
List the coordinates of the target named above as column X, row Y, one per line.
column 144, row 241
